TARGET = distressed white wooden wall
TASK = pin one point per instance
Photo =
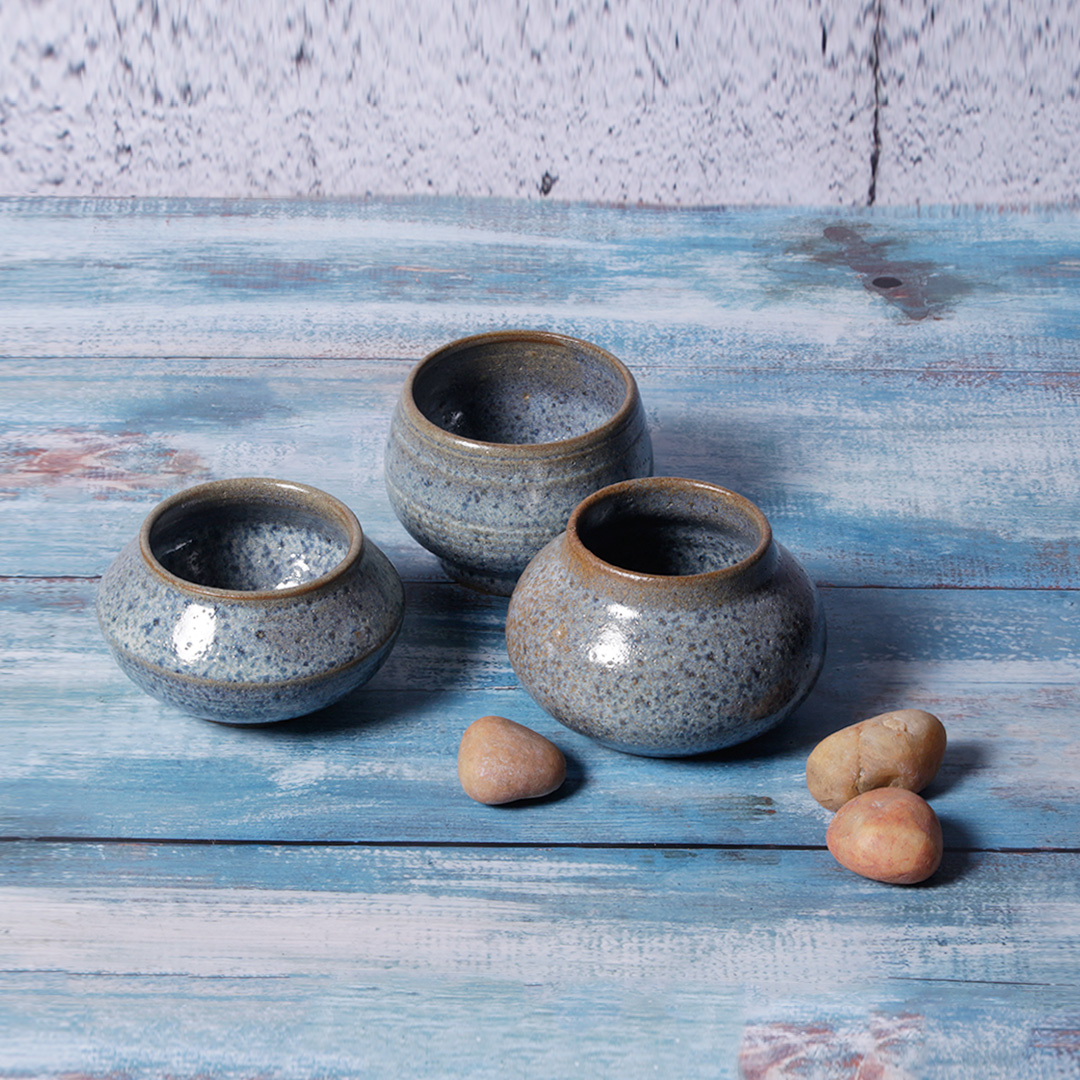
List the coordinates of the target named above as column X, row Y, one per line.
column 659, row 101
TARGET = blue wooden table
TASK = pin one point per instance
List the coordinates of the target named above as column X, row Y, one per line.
column 898, row 391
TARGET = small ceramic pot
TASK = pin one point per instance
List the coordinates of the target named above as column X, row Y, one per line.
column 248, row 601
column 496, row 438
column 666, row 621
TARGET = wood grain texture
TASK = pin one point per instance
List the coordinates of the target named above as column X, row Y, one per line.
column 319, row 898
column 686, row 963
column 713, row 288
column 914, row 479
column 87, row 754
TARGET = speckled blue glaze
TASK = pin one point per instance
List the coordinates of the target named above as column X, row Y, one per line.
column 249, row 601
column 666, row 621
column 496, row 438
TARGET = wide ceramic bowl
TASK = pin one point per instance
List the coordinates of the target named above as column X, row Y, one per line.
column 496, row 438
column 249, row 601
column 666, row 621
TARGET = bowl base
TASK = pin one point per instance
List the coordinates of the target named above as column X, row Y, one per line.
column 495, row 584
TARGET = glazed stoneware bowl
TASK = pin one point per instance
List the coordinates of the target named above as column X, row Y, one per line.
column 496, row 438
column 666, row 621
column 249, row 601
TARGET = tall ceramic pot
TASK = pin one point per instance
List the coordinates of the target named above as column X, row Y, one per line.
column 666, row 621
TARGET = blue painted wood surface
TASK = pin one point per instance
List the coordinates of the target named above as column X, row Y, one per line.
column 314, row 961
column 873, row 477
column 181, row 899
column 1002, row 669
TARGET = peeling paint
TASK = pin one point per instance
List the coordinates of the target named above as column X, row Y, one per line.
column 99, row 462
column 882, row 1050
column 919, row 289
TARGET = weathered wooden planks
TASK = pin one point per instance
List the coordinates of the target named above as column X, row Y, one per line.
column 319, row 898
column 87, row 754
column 293, row 962
column 978, row 290
column 872, row 477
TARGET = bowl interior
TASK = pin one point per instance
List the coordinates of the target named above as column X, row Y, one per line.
column 519, row 391
column 247, row 546
column 674, row 532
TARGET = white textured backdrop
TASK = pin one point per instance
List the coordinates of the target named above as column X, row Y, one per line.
column 684, row 102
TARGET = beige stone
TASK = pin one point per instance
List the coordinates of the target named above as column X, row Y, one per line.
column 500, row 761
column 901, row 749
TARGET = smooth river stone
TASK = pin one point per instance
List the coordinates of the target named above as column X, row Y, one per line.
column 900, row 749
column 889, row 834
column 500, row 761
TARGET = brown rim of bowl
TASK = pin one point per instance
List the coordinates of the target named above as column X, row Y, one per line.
column 251, row 488
column 619, row 419
column 587, row 558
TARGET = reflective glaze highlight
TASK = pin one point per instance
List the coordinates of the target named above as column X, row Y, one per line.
column 250, row 601
column 666, row 621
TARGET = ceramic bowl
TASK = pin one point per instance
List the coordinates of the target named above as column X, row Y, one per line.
column 666, row 621
column 496, row 438
column 249, row 601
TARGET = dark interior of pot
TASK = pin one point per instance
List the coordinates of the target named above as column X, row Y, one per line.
column 670, row 531
column 518, row 392
column 247, row 545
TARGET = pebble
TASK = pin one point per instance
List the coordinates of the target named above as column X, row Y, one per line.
column 501, row 761
column 890, row 835
column 901, row 749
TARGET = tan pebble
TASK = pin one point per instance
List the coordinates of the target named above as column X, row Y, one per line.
column 890, row 835
column 500, row 761
column 901, row 749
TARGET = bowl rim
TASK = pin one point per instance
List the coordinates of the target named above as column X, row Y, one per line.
column 557, row 447
column 256, row 489
column 724, row 574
